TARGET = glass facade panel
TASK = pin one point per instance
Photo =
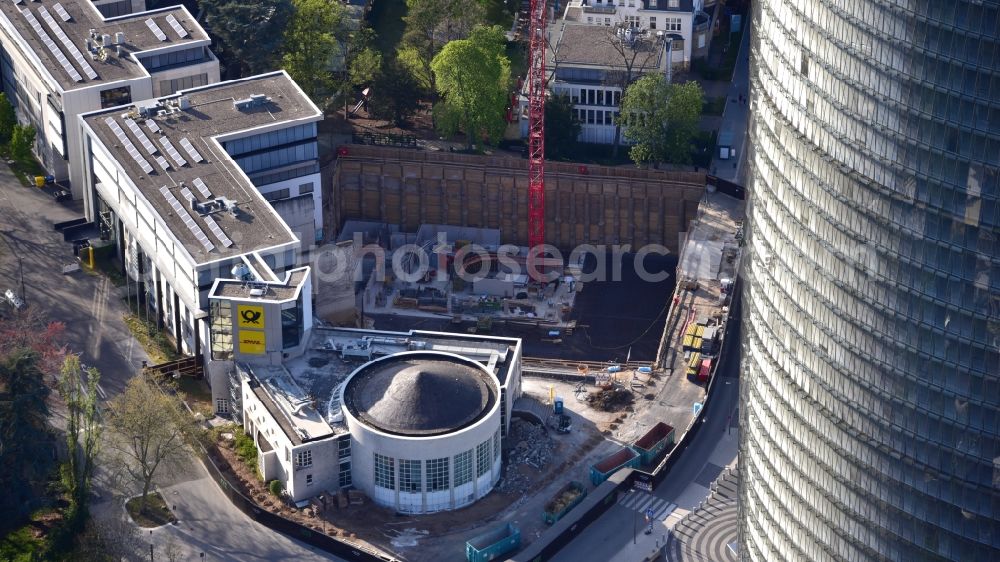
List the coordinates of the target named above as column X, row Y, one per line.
column 871, row 377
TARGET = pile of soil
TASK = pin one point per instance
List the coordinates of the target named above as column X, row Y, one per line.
column 610, row 400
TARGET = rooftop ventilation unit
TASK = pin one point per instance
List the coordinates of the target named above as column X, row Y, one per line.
column 255, row 100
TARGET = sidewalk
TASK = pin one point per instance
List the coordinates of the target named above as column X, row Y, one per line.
column 735, row 118
column 724, row 456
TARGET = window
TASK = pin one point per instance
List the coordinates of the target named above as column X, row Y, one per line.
column 652, row 23
column 309, row 479
column 305, row 188
column 803, row 64
column 168, row 87
column 632, row 21
column 409, row 475
column 385, row 472
column 291, row 324
column 344, row 448
column 277, row 194
column 221, row 323
column 678, row 45
column 437, row 474
column 652, row 3
column 222, row 406
column 600, row 97
column 607, row 22
column 463, row 468
column 590, row 19
column 303, row 459
column 483, row 458
column 672, row 24
column 496, row 444
column 671, row 3
column 344, row 478
column 288, row 453
column 116, row 96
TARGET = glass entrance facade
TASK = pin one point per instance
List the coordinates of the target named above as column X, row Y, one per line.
column 871, row 378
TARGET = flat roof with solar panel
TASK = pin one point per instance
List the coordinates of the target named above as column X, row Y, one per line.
column 189, row 161
column 57, row 33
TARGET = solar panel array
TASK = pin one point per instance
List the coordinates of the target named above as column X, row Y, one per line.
column 202, row 188
column 172, row 152
column 219, row 234
column 70, row 46
column 151, row 24
column 185, row 216
column 177, row 26
column 152, row 126
column 127, row 143
column 53, row 48
column 163, row 163
column 191, row 150
column 146, row 143
column 63, row 14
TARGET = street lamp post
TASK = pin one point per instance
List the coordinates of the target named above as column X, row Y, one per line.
column 634, row 515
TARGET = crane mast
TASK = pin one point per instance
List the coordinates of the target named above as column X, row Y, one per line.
column 536, row 126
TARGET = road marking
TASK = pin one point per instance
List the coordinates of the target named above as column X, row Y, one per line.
column 665, row 512
column 656, row 505
column 630, row 499
column 101, row 393
column 646, row 501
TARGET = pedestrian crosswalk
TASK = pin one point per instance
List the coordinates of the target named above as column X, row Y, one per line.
column 644, row 503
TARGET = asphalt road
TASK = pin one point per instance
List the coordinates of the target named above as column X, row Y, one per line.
column 92, row 308
column 613, row 531
column 89, row 305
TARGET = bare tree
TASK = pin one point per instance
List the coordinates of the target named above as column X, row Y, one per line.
column 110, row 540
column 150, row 429
column 632, row 51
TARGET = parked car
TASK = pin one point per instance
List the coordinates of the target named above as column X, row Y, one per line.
column 14, row 300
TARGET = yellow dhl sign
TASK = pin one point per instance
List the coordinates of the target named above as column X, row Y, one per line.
column 252, row 342
column 250, row 316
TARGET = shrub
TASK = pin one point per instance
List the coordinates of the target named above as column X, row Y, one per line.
column 275, row 487
column 246, row 450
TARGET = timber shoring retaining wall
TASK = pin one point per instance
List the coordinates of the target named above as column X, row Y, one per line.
column 583, row 204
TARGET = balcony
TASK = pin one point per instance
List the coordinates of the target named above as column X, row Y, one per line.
column 608, row 9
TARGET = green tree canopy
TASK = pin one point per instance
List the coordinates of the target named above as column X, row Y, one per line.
column 561, row 127
column 311, row 44
column 248, row 34
column 430, row 24
column 395, row 94
column 473, row 76
column 25, row 437
column 22, row 138
column 660, row 119
column 7, row 118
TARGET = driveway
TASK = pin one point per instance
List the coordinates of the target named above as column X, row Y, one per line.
column 88, row 304
column 92, row 309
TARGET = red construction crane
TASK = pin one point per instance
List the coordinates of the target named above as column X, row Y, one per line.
column 536, row 125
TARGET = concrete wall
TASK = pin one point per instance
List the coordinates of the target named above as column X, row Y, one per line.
column 584, row 204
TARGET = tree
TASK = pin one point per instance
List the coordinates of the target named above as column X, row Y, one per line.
column 395, row 95
column 473, row 76
column 149, row 432
column 430, row 24
column 25, row 437
column 248, row 34
column 83, row 429
column 561, row 127
column 311, row 44
column 7, row 119
column 633, row 55
column 412, row 60
column 661, row 119
column 22, row 138
column 364, row 69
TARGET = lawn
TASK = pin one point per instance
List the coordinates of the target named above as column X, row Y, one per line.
column 157, row 512
column 197, row 394
column 154, row 342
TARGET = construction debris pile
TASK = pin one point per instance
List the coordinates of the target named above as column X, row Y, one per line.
column 610, row 399
column 532, row 446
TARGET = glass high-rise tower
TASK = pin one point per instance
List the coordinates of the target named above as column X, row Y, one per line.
column 870, row 407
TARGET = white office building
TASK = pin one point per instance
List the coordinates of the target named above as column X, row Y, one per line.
column 60, row 59
column 168, row 187
column 415, row 420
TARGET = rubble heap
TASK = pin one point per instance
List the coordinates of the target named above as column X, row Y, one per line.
column 532, row 447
